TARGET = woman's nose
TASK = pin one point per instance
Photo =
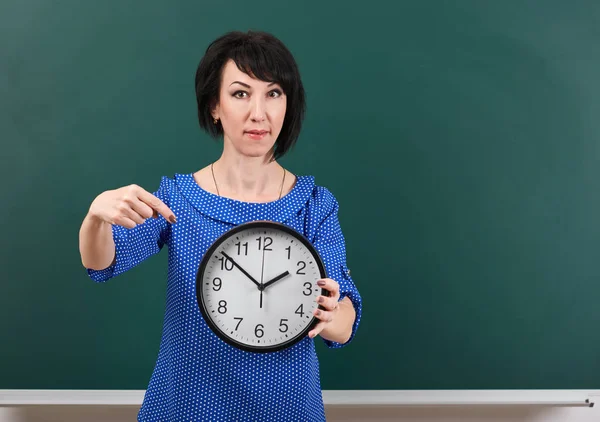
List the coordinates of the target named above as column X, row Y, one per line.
column 258, row 110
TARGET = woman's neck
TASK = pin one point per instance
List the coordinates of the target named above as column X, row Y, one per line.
column 249, row 179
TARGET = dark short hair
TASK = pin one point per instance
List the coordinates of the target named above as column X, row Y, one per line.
column 263, row 56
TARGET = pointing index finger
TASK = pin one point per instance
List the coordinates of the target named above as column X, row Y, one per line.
column 157, row 205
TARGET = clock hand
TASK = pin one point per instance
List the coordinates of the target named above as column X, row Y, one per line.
column 279, row 277
column 241, row 269
column 262, row 272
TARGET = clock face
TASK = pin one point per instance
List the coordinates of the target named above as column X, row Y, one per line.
column 257, row 286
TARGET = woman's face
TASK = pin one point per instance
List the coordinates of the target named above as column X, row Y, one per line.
column 251, row 112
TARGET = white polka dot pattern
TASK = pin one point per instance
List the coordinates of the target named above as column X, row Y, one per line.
column 199, row 377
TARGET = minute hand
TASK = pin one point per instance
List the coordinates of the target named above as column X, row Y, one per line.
column 242, row 270
column 279, row 277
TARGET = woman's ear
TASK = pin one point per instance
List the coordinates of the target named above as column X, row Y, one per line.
column 214, row 109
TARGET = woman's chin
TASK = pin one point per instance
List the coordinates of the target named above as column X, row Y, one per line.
column 251, row 148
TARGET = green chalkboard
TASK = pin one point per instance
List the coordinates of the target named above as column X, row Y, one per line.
column 462, row 140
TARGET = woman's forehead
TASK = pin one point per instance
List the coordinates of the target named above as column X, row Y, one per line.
column 232, row 74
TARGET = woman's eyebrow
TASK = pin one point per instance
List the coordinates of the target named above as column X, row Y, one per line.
column 248, row 86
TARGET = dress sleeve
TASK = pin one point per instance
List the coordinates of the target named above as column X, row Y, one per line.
column 134, row 245
column 329, row 242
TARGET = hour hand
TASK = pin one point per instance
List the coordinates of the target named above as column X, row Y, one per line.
column 273, row 280
column 241, row 269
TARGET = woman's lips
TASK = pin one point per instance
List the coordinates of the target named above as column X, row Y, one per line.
column 257, row 134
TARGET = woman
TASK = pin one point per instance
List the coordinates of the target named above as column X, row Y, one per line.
column 249, row 92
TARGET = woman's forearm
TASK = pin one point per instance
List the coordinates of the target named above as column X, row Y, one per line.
column 96, row 244
column 340, row 329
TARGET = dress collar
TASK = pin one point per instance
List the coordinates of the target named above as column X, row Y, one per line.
column 238, row 212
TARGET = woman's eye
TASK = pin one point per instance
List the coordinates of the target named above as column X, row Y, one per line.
column 243, row 94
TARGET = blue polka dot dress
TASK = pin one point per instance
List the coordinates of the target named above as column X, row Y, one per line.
column 197, row 376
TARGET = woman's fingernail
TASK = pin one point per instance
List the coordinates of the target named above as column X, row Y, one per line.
column 321, row 299
column 318, row 313
column 321, row 283
column 173, row 219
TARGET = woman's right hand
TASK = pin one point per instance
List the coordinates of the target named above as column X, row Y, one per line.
column 128, row 206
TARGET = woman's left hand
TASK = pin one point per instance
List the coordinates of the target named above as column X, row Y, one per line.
column 331, row 305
